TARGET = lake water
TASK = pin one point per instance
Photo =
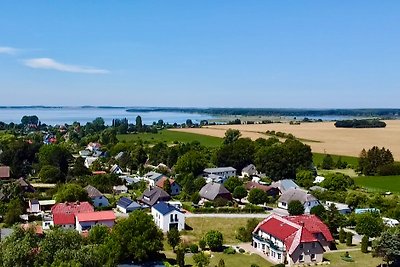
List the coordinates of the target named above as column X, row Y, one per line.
column 69, row 115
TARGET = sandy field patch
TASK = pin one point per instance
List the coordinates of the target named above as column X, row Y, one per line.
column 332, row 140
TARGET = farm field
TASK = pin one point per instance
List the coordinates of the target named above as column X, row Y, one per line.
column 379, row 183
column 171, row 137
column 326, row 137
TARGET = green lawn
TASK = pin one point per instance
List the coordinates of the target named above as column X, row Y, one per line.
column 379, row 183
column 318, row 158
column 236, row 260
column 226, row 226
column 360, row 259
column 171, row 137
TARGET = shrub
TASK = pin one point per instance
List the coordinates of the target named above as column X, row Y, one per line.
column 241, row 250
column 364, row 244
column 202, row 244
column 342, row 236
column 214, row 240
column 349, row 239
column 194, row 248
column 295, row 208
column 229, row 250
column 220, row 202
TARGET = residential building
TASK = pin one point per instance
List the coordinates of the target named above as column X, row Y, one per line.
column 249, row 171
column 364, row 210
column 25, row 185
column 319, row 179
column 85, row 221
column 64, row 214
column 152, row 196
column 98, row 199
column 4, row 172
column 308, row 200
column 175, row 187
column 213, row 178
column 89, row 161
column 212, row 191
column 116, row 169
column 342, row 208
column 284, row 185
column 271, row 191
column 167, row 217
column 126, row 205
column 85, row 153
column 46, row 205
column 293, row 239
column 390, row 222
column 93, row 146
column 221, row 171
column 34, row 206
column 120, row 189
column 153, row 177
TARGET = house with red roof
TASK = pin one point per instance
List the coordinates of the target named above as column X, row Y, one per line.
column 292, row 239
column 85, row 221
column 64, row 213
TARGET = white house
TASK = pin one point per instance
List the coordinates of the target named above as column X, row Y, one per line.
column 390, row 222
column 153, row 177
column 167, row 217
column 93, row 146
column 115, row 169
column 89, row 161
column 120, row 189
column 98, row 199
column 34, row 206
column 222, row 171
column 308, row 200
column 85, row 221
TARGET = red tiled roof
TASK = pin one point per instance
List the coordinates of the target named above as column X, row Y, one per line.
column 4, row 172
column 313, row 224
column 98, row 172
column 251, row 185
column 106, row 215
column 160, row 183
column 278, row 228
column 64, row 213
column 63, row 218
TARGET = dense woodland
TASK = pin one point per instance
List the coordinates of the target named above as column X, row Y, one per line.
column 360, row 124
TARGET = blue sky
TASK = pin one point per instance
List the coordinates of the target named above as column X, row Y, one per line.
column 314, row 54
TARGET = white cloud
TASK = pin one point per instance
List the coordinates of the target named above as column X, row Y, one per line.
column 8, row 50
column 51, row 64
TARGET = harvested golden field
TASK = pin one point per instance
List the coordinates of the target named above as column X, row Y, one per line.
column 323, row 137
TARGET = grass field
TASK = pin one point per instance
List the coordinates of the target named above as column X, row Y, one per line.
column 318, row 158
column 171, row 137
column 379, row 183
column 236, row 260
column 201, row 226
column 360, row 259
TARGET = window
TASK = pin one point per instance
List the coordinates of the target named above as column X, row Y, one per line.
column 279, row 256
column 172, row 217
column 313, row 257
column 176, row 217
column 301, row 246
column 301, row 258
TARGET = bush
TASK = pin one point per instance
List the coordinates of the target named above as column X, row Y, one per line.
column 194, row 248
column 241, row 250
column 229, row 250
column 342, row 236
column 214, row 240
column 389, row 169
column 220, row 202
column 202, row 244
column 364, row 244
column 295, row 208
column 349, row 239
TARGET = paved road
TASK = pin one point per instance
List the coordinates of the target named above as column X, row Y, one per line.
column 226, row 215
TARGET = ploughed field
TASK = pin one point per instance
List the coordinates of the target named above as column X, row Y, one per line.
column 323, row 137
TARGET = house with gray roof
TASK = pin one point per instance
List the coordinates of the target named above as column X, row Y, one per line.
column 153, row 195
column 308, row 200
column 285, row 184
column 221, row 171
column 249, row 170
column 211, row 191
column 126, row 205
column 153, row 178
column 98, row 199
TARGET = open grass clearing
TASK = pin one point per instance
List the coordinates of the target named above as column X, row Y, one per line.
column 235, row 260
column 171, row 137
column 200, row 226
column 319, row 157
column 379, row 183
column 360, row 259
column 349, row 172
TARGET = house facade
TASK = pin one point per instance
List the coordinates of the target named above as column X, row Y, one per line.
column 98, row 199
column 221, row 171
column 293, row 239
column 63, row 214
column 85, row 221
column 249, row 171
column 153, row 177
column 308, row 200
column 126, row 205
column 167, row 217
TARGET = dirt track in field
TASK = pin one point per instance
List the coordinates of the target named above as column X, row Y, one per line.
column 326, row 138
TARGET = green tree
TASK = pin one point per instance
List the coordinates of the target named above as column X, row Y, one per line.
column 201, row 259
column 370, row 224
column 342, row 236
column 214, row 240
column 195, row 198
column 199, row 182
column 98, row 234
column 55, row 155
column 180, row 257
column 333, row 219
column 364, row 244
column 371, row 160
column 167, row 186
column 318, row 210
column 305, row 178
column 237, row 154
column 51, row 174
column 138, row 236
column 173, row 238
column 79, row 168
column 244, row 234
column 327, row 162
column 139, row 123
column 231, row 135
column 337, row 182
column 221, row 263
column 202, row 244
column 193, row 162
column 239, row 192
column 14, row 211
column 257, row 196
column 71, row 193
column 295, row 207
column 232, row 182
column 387, row 246
column 349, row 239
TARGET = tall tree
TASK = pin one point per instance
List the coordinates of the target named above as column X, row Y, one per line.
column 387, row 246
column 173, row 238
column 139, row 123
column 231, row 135
column 295, row 207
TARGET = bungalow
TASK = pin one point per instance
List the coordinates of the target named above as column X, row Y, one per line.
column 271, row 191
column 221, row 171
column 168, row 217
column 34, row 206
column 120, row 189
column 4, row 172
column 213, row 191
column 126, row 205
column 292, row 240
column 119, row 155
column 64, row 214
column 130, row 180
column 152, row 196
column 175, row 187
column 98, row 199
column 115, row 169
column 85, row 221
column 308, row 200
column 342, row 208
column 153, row 177
column 249, row 171
column 284, row 185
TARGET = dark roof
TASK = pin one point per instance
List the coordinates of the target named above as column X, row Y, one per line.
column 164, row 208
column 125, row 202
column 212, row 190
column 152, row 196
column 93, row 191
column 34, row 201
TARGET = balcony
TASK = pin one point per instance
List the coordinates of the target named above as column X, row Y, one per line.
column 271, row 244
